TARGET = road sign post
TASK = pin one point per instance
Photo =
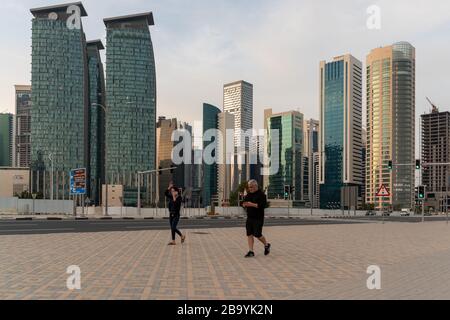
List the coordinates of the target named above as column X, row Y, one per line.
column 78, row 186
column 382, row 193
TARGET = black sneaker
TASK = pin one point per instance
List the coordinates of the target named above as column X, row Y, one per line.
column 250, row 254
column 267, row 249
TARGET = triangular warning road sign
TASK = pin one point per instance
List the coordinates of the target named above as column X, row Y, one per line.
column 383, row 192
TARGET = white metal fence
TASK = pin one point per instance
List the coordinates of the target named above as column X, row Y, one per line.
column 65, row 207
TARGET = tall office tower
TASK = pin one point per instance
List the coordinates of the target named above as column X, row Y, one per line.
column 363, row 169
column 97, row 117
column 436, row 149
column 316, row 180
column 130, row 98
column 289, row 146
column 225, row 157
column 340, row 129
column 6, row 139
column 311, row 146
column 183, row 173
column 23, row 126
column 164, row 130
column 391, row 125
column 60, row 112
column 238, row 100
column 210, row 122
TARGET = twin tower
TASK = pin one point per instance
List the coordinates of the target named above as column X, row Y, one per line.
column 79, row 120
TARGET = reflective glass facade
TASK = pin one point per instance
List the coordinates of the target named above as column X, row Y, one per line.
column 130, row 98
column 6, row 139
column 210, row 121
column 60, row 97
column 340, row 146
column 96, row 120
column 290, row 153
column 333, row 133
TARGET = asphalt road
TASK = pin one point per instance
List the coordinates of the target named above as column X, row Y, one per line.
column 13, row 227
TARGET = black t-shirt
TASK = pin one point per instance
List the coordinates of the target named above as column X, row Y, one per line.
column 260, row 199
column 174, row 206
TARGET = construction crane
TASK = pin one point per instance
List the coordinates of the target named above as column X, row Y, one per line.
column 435, row 108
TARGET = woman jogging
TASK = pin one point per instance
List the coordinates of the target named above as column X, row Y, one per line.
column 174, row 197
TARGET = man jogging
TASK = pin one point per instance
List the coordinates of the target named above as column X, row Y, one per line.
column 255, row 202
column 174, row 197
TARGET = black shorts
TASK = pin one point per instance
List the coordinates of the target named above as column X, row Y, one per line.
column 254, row 227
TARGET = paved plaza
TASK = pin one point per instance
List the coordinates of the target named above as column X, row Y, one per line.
column 307, row 262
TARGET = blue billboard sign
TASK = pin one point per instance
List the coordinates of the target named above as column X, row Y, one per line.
column 78, row 181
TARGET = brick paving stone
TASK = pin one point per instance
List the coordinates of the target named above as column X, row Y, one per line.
column 307, row 262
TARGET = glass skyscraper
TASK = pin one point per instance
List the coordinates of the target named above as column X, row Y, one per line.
column 97, row 117
column 210, row 122
column 290, row 148
column 341, row 128
column 60, row 98
column 391, row 125
column 130, row 98
column 6, row 139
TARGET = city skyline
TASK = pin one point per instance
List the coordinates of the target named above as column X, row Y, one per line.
column 259, row 53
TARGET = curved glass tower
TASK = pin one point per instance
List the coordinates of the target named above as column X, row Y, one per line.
column 391, row 125
column 130, row 98
column 60, row 99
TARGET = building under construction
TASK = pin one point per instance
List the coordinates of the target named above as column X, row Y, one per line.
column 435, row 157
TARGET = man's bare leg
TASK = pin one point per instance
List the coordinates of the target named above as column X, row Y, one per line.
column 251, row 243
column 263, row 240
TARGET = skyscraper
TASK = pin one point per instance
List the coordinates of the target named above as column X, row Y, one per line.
column 290, row 148
column 391, row 125
column 164, row 130
column 436, row 149
column 238, row 101
column 23, row 126
column 6, row 139
column 226, row 157
column 130, row 98
column 210, row 122
column 311, row 151
column 340, row 144
column 97, row 117
column 60, row 99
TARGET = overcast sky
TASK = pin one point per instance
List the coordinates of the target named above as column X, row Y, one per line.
column 275, row 44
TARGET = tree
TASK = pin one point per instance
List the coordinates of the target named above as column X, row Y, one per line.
column 234, row 196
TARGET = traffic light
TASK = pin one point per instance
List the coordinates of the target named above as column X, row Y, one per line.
column 418, row 165
column 390, row 165
column 421, row 192
column 287, row 191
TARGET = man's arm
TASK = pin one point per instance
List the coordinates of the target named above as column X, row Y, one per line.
column 261, row 202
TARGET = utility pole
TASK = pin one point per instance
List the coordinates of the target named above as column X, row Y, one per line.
column 50, row 157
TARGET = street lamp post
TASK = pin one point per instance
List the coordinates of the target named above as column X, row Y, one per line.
column 139, row 184
column 106, row 152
